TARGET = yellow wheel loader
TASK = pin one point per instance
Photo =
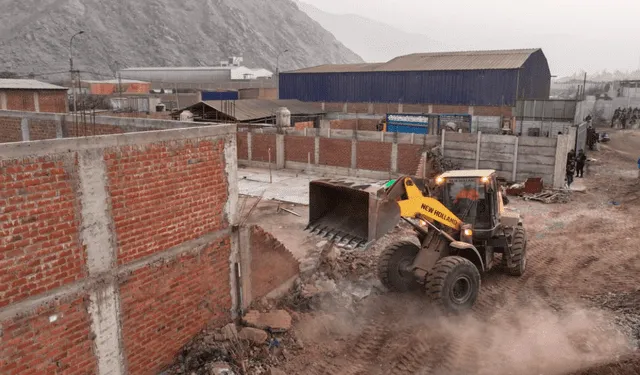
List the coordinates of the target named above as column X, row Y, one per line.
column 461, row 225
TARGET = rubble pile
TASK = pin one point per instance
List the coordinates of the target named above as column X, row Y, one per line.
column 549, row 196
column 627, row 309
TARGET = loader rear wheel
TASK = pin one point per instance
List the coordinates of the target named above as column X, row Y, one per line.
column 394, row 267
column 453, row 284
column 518, row 254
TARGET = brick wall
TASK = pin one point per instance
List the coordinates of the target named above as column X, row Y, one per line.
column 271, row 263
column 164, row 306
column 42, row 129
column 39, row 244
column 374, row 156
column 243, row 146
column 297, row 149
column 53, row 101
column 20, row 100
column 493, row 111
column 10, row 130
column 303, row 125
column 260, row 145
column 409, row 158
column 359, row 124
column 437, row 108
column 415, row 108
column 114, row 251
column 335, row 152
column 53, row 339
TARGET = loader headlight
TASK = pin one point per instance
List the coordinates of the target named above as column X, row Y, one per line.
column 485, row 180
column 439, row 180
column 468, row 233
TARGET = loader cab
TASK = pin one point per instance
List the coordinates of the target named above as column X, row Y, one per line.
column 472, row 195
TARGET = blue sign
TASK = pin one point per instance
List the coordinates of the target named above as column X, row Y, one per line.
column 408, row 123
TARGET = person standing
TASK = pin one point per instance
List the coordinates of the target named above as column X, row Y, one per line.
column 638, row 168
column 571, row 170
column 580, row 162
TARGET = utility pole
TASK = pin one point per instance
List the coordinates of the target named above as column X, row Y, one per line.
column 71, row 71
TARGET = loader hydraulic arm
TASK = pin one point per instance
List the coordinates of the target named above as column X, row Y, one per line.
column 413, row 204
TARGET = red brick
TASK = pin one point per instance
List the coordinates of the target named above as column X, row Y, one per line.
column 335, row 152
column 20, row 100
column 10, row 130
column 36, row 234
column 34, row 345
column 53, row 101
column 297, row 149
column 374, row 156
column 409, row 158
column 271, row 263
column 163, row 307
column 243, row 146
column 178, row 196
column 260, row 145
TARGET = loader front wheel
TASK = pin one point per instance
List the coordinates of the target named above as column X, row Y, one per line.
column 394, row 267
column 453, row 284
column 518, row 254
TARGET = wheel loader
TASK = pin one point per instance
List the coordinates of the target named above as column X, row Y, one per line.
column 460, row 224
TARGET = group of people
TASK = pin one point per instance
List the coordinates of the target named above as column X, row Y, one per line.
column 626, row 116
column 575, row 165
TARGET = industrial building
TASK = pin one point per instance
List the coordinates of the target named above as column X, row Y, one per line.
column 116, row 86
column 251, row 111
column 473, row 78
column 32, row 96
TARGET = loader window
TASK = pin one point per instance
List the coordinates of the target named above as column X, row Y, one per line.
column 464, row 197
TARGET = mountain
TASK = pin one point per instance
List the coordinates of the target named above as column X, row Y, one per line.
column 34, row 35
column 374, row 41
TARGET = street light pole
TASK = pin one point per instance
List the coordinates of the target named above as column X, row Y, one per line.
column 73, row 88
column 278, row 71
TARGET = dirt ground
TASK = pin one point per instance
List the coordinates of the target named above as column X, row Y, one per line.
column 575, row 311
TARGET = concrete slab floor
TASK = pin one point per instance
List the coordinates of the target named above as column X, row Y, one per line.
column 285, row 186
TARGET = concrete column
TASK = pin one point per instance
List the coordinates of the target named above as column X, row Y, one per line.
column 279, row 151
column 354, row 154
column 316, row 150
column 562, row 149
column 59, row 131
column 430, row 108
column 394, row 157
column 245, row 265
column 470, row 110
column 345, row 108
column 232, row 214
column 24, row 126
column 3, row 101
column 514, row 172
column 99, row 241
column 36, row 101
column 324, row 107
column 442, row 141
column 400, row 108
column 249, row 146
column 478, row 147
column 370, row 108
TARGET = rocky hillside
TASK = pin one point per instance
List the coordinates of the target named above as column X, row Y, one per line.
column 34, row 34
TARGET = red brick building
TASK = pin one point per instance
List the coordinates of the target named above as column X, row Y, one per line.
column 32, row 96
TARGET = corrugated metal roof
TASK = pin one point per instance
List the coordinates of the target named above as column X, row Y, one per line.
column 461, row 60
column 255, row 109
column 27, row 84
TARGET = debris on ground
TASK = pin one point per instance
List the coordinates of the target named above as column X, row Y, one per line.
column 549, row 196
column 275, row 321
column 627, row 309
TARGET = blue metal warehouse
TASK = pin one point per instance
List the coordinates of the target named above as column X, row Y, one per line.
column 480, row 78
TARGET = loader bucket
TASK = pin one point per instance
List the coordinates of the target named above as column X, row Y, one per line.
column 350, row 214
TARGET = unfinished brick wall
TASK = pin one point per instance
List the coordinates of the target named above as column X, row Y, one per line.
column 42, row 129
column 303, row 125
column 374, row 156
column 114, row 251
column 20, row 100
column 409, row 158
column 260, row 145
column 34, row 344
column 357, row 124
column 10, row 130
column 165, row 305
column 243, row 146
column 505, row 111
column 53, row 101
column 335, row 152
column 39, row 245
column 271, row 263
column 297, row 149
column 178, row 195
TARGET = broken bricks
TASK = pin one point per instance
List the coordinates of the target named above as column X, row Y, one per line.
column 254, row 335
column 275, row 321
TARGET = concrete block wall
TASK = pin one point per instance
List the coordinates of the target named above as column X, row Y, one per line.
column 115, row 250
column 514, row 158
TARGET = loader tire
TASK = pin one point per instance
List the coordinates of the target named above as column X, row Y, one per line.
column 453, row 284
column 518, row 254
column 394, row 267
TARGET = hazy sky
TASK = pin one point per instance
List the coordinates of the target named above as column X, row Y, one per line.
column 574, row 34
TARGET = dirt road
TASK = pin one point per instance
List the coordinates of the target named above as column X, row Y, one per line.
column 546, row 322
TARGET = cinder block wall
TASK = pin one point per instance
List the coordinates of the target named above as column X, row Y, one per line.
column 116, row 250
